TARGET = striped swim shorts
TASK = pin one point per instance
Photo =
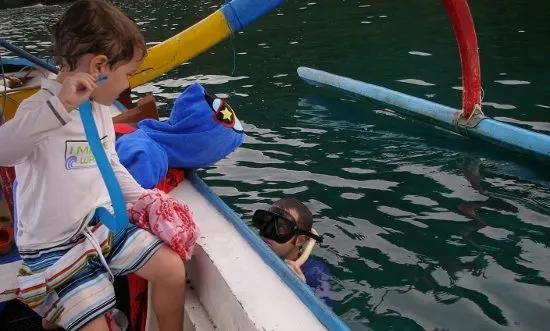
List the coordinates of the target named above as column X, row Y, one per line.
column 71, row 285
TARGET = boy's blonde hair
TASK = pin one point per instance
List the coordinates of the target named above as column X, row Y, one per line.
column 96, row 27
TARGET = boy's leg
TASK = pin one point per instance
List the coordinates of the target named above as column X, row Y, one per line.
column 136, row 250
column 99, row 324
column 166, row 271
column 47, row 325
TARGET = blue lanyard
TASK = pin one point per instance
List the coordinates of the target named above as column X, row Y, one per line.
column 120, row 220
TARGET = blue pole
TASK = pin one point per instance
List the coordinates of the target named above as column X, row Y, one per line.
column 499, row 133
column 26, row 55
column 240, row 13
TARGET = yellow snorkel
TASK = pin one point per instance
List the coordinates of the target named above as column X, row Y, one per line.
column 308, row 248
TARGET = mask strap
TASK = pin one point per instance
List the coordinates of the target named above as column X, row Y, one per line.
column 283, row 213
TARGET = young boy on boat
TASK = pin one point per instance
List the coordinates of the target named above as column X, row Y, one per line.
column 69, row 256
column 286, row 227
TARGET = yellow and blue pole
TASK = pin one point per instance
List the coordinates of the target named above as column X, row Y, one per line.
column 230, row 18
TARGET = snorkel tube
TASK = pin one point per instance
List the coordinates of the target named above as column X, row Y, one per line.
column 120, row 220
column 306, row 252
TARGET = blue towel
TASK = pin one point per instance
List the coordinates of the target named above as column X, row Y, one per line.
column 145, row 160
column 201, row 130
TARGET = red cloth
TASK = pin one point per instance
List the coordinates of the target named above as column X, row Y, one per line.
column 171, row 181
column 124, row 128
column 138, row 302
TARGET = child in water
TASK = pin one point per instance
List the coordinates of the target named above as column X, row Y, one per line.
column 286, row 228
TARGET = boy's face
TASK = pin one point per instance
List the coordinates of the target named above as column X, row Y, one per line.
column 282, row 250
column 286, row 249
column 117, row 80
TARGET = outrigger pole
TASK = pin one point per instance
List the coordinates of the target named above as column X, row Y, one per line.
column 470, row 121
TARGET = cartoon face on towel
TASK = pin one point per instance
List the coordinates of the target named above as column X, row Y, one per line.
column 223, row 113
column 201, row 130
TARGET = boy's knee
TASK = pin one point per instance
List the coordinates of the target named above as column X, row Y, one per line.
column 174, row 274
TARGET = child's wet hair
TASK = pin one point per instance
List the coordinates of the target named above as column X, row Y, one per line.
column 96, row 27
column 296, row 207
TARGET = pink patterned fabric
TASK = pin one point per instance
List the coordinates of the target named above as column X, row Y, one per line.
column 168, row 219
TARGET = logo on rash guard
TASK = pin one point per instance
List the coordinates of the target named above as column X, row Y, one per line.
column 78, row 154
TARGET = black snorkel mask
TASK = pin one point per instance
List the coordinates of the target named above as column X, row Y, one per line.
column 278, row 225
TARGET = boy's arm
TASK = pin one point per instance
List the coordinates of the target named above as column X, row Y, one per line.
column 34, row 121
column 130, row 188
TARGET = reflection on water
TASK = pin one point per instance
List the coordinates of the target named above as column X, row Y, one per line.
column 415, row 82
column 423, row 229
column 531, row 125
column 512, row 82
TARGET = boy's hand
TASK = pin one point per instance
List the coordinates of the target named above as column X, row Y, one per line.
column 76, row 89
column 296, row 268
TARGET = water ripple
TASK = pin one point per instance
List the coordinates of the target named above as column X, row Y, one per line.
column 415, row 82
